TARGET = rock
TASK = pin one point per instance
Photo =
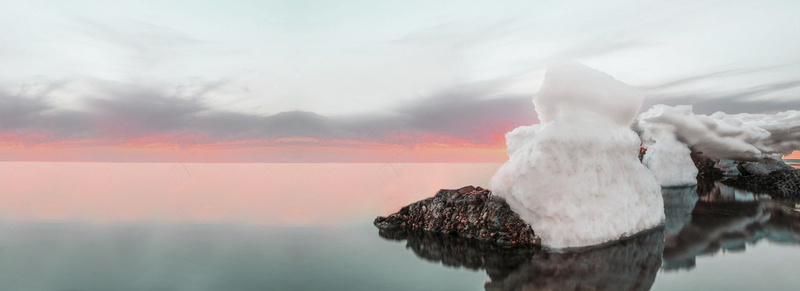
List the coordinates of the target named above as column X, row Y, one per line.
column 728, row 168
column 782, row 184
column 763, row 167
column 706, row 169
column 469, row 212
column 642, row 151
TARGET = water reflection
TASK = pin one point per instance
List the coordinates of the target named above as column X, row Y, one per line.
column 453, row 251
column 700, row 220
column 724, row 219
column 678, row 205
column 631, row 264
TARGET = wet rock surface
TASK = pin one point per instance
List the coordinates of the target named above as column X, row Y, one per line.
column 782, row 184
column 469, row 212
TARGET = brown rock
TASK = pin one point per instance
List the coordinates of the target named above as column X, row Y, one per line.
column 470, row 212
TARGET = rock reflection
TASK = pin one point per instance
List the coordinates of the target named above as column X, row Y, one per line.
column 455, row 251
column 631, row 264
column 723, row 219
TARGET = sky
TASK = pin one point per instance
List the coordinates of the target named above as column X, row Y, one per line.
column 358, row 81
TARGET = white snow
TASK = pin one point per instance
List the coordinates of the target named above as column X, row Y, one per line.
column 668, row 159
column 727, row 136
column 672, row 132
column 671, row 163
column 576, row 177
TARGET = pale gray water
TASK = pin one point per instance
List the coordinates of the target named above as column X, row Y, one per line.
column 308, row 227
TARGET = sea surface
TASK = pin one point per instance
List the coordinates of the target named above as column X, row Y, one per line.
column 175, row 226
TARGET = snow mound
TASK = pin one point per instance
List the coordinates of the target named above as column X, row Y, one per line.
column 671, row 163
column 576, row 177
column 668, row 159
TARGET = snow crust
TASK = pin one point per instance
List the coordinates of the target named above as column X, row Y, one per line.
column 576, row 176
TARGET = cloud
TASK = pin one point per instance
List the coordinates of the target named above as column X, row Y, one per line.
column 28, row 114
column 122, row 112
column 710, row 76
column 147, row 43
column 604, row 45
column 740, row 101
column 467, row 113
column 474, row 113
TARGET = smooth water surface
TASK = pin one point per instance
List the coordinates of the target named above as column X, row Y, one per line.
column 107, row 226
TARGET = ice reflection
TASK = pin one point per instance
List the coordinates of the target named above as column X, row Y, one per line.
column 678, row 205
column 630, row 264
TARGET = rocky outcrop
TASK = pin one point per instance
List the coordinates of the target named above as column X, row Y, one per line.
column 764, row 166
column 783, row 184
column 729, row 168
column 706, row 169
column 768, row 176
column 469, row 212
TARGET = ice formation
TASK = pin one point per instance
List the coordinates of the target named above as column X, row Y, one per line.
column 575, row 177
column 727, row 136
column 668, row 158
column 671, row 163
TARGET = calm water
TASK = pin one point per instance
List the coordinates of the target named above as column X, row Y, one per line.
column 101, row 226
